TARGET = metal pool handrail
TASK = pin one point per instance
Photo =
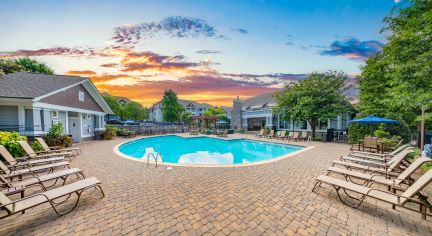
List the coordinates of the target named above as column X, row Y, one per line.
column 155, row 157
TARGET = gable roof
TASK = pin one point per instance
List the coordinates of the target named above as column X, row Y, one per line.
column 260, row 101
column 26, row 85
column 195, row 104
column 32, row 85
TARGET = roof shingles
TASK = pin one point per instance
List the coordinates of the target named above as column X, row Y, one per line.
column 32, row 85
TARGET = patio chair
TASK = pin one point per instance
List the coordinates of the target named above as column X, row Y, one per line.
column 11, row 187
column 260, row 134
column 296, row 136
column 32, row 154
column 387, row 168
column 271, row 134
column 20, row 205
column 24, row 162
column 9, row 174
column 375, row 161
column 304, row 136
column 281, row 135
column 393, row 198
column 371, row 143
column 290, row 135
column 58, row 149
column 379, row 178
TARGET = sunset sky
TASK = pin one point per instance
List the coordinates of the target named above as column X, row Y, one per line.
column 207, row 51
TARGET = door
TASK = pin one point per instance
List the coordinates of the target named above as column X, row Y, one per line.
column 74, row 129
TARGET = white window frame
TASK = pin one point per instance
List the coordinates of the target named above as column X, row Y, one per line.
column 54, row 114
column 81, row 96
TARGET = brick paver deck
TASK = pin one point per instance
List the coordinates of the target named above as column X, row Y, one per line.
column 273, row 198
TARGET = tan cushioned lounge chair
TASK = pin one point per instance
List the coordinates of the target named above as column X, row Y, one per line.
column 20, row 205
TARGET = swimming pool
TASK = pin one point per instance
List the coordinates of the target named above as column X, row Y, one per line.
column 205, row 150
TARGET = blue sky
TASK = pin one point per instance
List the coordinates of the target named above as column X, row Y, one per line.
column 209, row 51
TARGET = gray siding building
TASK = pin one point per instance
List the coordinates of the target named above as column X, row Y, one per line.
column 31, row 103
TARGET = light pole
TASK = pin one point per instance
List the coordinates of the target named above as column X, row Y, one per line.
column 122, row 105
column 422, row 127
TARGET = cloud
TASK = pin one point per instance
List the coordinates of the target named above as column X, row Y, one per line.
column 353, row 48
column 241, row 31
column 80, row 72
column 109, row 65
column 174, row 26
column 205, row 51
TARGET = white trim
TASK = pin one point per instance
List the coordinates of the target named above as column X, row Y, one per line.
column 54, row 116
column 80, row 125
column 99, row 97
column 58, row 90
column 63, row 108
column 67, row 123
column 81, row 96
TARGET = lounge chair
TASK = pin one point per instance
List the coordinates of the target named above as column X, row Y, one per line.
column 77, row 151
column 296, row 136
column 290, row 135
column 395, row 199
column 260, row 134
column 20, row 205
column 374, row 162
column 271, row 134
column 377, row 178
column 32, row 154
column 7, row 173
column 303, row 136
column 25, row 162
column 224, row 133
column 378, row 155
column 194, row 132
column 387, row 168
column 22, row 184
column 281, row 135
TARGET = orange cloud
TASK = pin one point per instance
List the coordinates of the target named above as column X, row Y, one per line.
column 81, row 72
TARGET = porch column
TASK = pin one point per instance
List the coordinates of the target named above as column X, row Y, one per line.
column 339, row 122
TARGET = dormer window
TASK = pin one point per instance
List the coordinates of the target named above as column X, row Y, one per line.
column 81, row 96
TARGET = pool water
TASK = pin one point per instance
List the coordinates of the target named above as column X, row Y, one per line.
column 205, row 150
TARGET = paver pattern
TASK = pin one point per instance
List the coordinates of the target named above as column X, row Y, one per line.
column 268, row 199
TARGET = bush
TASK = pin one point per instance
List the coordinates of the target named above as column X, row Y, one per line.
column 382, row 134
column 36, row 146
column 55, row 137
column 110, row 133
column 123, row 132
column 10, row 141
column 357, row 132
column 316, row 139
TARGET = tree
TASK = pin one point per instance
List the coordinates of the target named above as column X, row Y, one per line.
column 185, row 116
column 396, row 83
column 113, row 103
column 170, row 107
column 318, row 97
column 31, row 65
column 24, row 64
column 8, row 66
column 135, row 111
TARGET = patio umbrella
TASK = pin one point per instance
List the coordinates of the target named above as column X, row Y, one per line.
column 221, row 122
column 374, row 120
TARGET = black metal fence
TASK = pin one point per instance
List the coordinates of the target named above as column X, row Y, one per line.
column 153, row 129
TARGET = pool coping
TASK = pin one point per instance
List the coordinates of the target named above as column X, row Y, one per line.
column 117, row 151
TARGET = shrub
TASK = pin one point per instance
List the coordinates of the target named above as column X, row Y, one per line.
column 55, row 137
column 316, row 139
column 357, row 132
column 36, row 146
column 382, row 134
column 123, row 132
column 110, row 133
column 10, row 141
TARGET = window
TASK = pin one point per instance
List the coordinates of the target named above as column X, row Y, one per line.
column 81, row 96
column 54, row 114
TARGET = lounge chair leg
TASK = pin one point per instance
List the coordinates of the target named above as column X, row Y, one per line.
column 317, row 184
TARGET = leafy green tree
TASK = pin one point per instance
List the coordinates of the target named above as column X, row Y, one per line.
column 318, row 97
column 396, row 83
column 31, row 65
column 114, row 104
column 8, row 66
column 136, row 111
column 24, row 64
column 170, row 107
column 185, row 116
